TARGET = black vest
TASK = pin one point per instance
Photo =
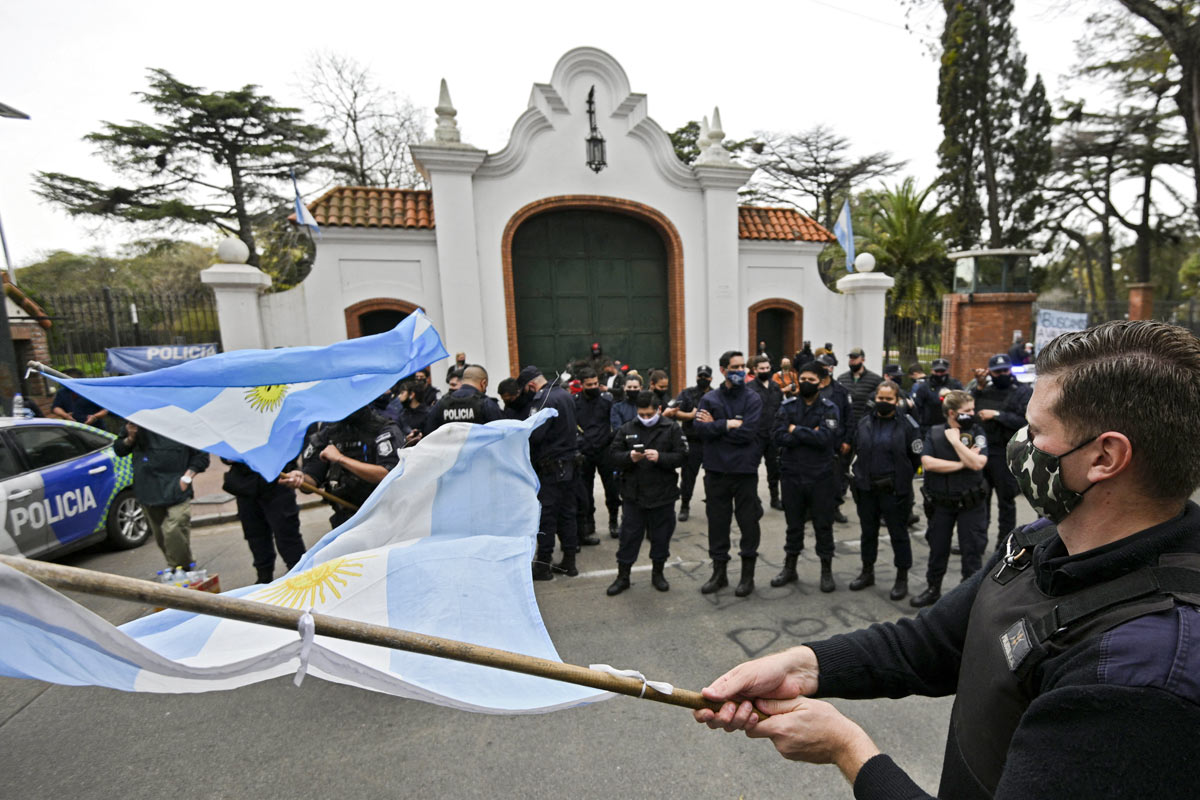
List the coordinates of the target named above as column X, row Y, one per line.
column 1014, row 627
column 460, row 409
column 951, row 484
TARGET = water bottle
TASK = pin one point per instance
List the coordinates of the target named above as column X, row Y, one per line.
column 164, row 576
column 19, row 409
column 192, row 574
column 179, row 578
column 202, row 576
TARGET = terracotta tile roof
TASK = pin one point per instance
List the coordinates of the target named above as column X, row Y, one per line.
column 780, row 224
column 371, row 207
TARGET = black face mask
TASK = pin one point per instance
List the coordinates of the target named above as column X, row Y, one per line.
column 1002, row 381
column 938, row 380
column 885, row 408
column 807, row 389
column 593, row 393
column 763, row 377
column 856, row 367
column 522, row 400
column 703, row 383
column 967, row 420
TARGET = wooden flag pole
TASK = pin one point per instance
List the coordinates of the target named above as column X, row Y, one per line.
column 308, row 487
column 165, row 596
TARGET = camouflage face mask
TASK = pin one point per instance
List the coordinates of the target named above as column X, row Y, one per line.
column 1039, row 475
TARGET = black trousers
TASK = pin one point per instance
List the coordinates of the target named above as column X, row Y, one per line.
column 771, row 456
column 805, row 496
column 558, row 517
column 585, row 491
column 271, row 521
column 728, row 494
column 893, row 509
column 972, row 538
column 841, row 469
column 691, row 468
column 1001, row 480
column 636, row 521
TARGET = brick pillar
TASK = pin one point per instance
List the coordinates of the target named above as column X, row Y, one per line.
column 977, row 326
column 1141, row 301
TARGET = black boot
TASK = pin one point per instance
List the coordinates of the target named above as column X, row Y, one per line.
column 865, row 578
column 776, row 503
column 265, row 576
column 788, row 573
column 746, row 579
column 587, row 534
column 614, row 526
column 567, row 565
column 928, row 597
column 839, row 517
column 541, row 569
column 657, row 580
column 718, row 579
column 900, row 587
column 622, row 580
column 827, row 584
column 684, row 512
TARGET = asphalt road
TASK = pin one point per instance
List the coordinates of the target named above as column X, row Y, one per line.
column 273, row 740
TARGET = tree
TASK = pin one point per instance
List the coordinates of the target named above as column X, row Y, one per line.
column 814, row 170
column 686, row 141
column 995, row 147
column 214, row 160
column 148, row 264
column 373, row 127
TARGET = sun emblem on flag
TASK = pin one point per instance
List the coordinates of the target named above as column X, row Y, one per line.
column 307, row 589
column 266, row 398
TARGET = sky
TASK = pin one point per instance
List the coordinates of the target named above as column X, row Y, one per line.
column 779, row 66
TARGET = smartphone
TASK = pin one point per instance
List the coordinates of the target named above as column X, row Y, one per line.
column 639, row 448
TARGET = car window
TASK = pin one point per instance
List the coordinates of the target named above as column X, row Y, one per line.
column 93, row 440
column 44, row 446
column 10, row 464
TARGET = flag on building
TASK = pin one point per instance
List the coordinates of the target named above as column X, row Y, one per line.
column 442, row 547
column 255, row 405
column 844, row 232
column 303, row 215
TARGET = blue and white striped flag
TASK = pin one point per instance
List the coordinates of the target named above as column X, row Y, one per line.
column 844, row 232
column 442, row 547
column 303, row 215
column 255, row 405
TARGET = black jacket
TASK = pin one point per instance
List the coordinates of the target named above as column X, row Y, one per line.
column 840, row 396
column 464, row 404
column 807, row 452
column 158, row 464
column 862, row 389
column 555, row 439
column 928, row 402
column 903, row 446
column 772, row 398
column 1011, row 403
column 736, row 451
column 689, row 400
column 649, row 484
column 592, row 417
column 373, row 439
column 1113, row 716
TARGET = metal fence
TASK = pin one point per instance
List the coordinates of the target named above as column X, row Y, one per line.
column 913, row 334
column 84, row 325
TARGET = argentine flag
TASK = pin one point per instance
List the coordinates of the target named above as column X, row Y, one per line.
column 844, row 232
column 303, row 215
column 442, row 547
column 255, row 405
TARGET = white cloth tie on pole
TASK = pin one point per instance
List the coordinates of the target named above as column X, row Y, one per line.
column 659, row 686
column 307, row 628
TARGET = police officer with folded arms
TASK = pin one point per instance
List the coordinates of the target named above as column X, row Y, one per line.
column 468, row 403
column 593, row 408
column 954, row 456
column 647, row 453
column 888, row 452
column 1000, row 402
column 684, row 412
column 806, row 431
column 349, row 458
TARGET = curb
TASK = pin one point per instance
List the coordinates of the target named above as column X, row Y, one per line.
column 231, row 516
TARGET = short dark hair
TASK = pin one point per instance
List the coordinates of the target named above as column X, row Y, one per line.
column 815, row 367
column 759, row 359
column 657, row 375
column 646, row 400
column 889, row 386
column 1140, row 378
column 583, row 373
column 727, row 356
column 508, row 386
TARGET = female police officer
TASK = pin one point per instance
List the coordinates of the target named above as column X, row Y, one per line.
column 889, row 449
column 954, row 456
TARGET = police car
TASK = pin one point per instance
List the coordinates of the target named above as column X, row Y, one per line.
column 62, row 487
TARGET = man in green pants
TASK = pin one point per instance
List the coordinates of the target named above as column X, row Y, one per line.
column 162, row 482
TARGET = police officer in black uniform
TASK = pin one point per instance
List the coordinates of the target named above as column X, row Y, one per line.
column 807, row 429
column 552, row 450
column 839, row 395
column 954, row 456
column 1000, row 402
column 270, row 518
column 648, row 452
column 927, row 395
column 660, row 385
column 624, row 408
column 772, row 398
column 593, row 407
column 684, row 411
column 889, row 446
column 349, row 458
column 468, row 403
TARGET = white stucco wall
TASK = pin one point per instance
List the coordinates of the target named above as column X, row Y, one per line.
column 789, row 270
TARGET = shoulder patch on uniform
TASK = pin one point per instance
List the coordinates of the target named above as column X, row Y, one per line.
column 831, row 423
column 918, row 446
column 981, row 441
column 385, row 448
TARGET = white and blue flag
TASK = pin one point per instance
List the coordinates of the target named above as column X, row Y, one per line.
column 442, row 547
column 844, row 232
column 255, row 405
column 303, row 215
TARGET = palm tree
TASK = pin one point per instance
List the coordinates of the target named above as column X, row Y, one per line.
column 905, row 236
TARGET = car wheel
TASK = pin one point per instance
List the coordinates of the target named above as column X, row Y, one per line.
column 127, row 523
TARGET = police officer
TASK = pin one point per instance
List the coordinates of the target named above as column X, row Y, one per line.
column 684, row 411
column 807, row 429
column 593, row 409
column 894, row 374
column 349, row 458
column 954, row 457
column 269, row 516
column 727, row 421
column 1001, row 403
column 648, row 453
column 407, row 409
column 425, row 391
column 660, row 385
column 888, row 451
column 839, row 395
column 552, row 450
column 772, row 398
column 468, row 403
column 625, row 408
column 927, row 394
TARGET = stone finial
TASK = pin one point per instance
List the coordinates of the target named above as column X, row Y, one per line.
column 447, row 129
column 702, row 139
column 715, row 152
column 232, row 250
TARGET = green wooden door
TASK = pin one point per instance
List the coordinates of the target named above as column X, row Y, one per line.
column 586, row 276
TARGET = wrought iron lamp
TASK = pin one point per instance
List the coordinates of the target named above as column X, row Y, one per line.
column 595, row 140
